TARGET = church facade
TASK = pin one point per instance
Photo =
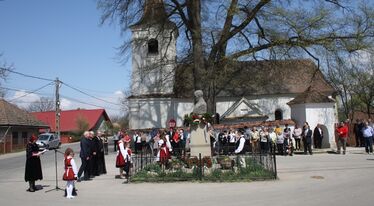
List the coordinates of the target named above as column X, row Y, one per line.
column 269, row 90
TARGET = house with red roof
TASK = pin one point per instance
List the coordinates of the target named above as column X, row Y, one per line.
column 74, row 122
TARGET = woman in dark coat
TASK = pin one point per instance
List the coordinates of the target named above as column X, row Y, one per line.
column 33, row 169
column 101, row 169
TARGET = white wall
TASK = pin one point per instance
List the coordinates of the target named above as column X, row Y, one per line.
column 153, row 73
column 182, row 108
column 317, row 113
column 266, row 104
column 150, row 113
column 298, row 113
column 322, row 113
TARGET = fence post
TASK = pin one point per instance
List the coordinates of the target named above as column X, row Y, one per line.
column 141, row 159
column 200, row 168
column 275, row 165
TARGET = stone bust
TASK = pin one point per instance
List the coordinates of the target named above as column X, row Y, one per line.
column 200, row 106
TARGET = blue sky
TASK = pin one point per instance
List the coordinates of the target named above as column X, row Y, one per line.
column 62, row 38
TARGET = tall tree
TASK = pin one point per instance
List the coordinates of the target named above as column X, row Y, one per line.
column 221, row 32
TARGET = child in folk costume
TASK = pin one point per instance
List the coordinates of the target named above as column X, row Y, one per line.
column 163, row 154
column 70, row 174
column 123, row 156
column 126, row 153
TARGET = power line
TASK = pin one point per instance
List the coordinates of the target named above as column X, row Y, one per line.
column 78, row 90
column 24, row 90
column 94, row 105
column 31, row 92
column 26, row 75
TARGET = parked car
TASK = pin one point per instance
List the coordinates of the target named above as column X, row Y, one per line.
column 48, row 141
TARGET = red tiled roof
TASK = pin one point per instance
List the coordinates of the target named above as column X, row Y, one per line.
column 68, row 118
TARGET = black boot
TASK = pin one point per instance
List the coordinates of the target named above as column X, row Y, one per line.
column 31, row 186
column 74, row 193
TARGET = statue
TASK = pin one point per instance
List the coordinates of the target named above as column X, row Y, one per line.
column 200, row 106
column 199, row 139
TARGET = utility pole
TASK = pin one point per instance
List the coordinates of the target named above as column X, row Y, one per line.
column 57, row 106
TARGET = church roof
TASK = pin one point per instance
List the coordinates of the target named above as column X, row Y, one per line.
column 310, row 95
column 11, row 115
column 246, row 78
column 154, row 13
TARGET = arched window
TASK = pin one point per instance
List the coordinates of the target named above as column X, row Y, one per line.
column 278, row 114
column 152, row 46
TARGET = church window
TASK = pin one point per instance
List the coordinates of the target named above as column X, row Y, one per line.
column 152, row 46
column 278, row 114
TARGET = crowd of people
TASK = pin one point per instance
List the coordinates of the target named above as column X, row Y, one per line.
column 92, row 153
column 163, row 144
column 226, row 141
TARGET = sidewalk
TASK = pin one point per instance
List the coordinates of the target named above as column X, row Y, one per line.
column 350, row 150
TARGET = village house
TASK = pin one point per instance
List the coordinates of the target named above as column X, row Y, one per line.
column 16, row 126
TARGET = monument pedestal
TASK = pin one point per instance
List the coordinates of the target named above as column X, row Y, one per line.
column 200, row 141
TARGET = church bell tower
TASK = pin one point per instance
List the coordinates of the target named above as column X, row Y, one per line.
column 153, row 52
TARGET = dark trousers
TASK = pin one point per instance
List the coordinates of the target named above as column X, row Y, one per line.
column 138, row 147
column 84, row 168
column 264, row 147
column 362, row 141
column 369, row 144
column 280, row 149
column 308, row 147
column 106, row 148
column 342, row 142
column 318, row 143
column 115, row 145
column 358, row 140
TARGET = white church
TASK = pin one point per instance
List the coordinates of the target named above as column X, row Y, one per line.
column 274, row 90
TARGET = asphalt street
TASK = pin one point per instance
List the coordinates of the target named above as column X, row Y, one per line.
column 321, row 179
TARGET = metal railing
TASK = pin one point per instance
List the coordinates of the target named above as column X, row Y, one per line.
column 253, row 164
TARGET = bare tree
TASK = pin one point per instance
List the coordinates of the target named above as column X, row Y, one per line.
column 44, row 104
column 220, row 32
column 82, row 125
column 4, row 71
column 363, row 87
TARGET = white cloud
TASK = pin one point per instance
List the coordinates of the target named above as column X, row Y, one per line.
column 65, row 104
column 23, row 99
column 119, row 93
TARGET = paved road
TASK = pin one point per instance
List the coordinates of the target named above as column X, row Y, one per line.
column 321, row 179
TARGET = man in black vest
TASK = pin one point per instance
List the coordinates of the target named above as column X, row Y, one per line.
column 318, row 136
